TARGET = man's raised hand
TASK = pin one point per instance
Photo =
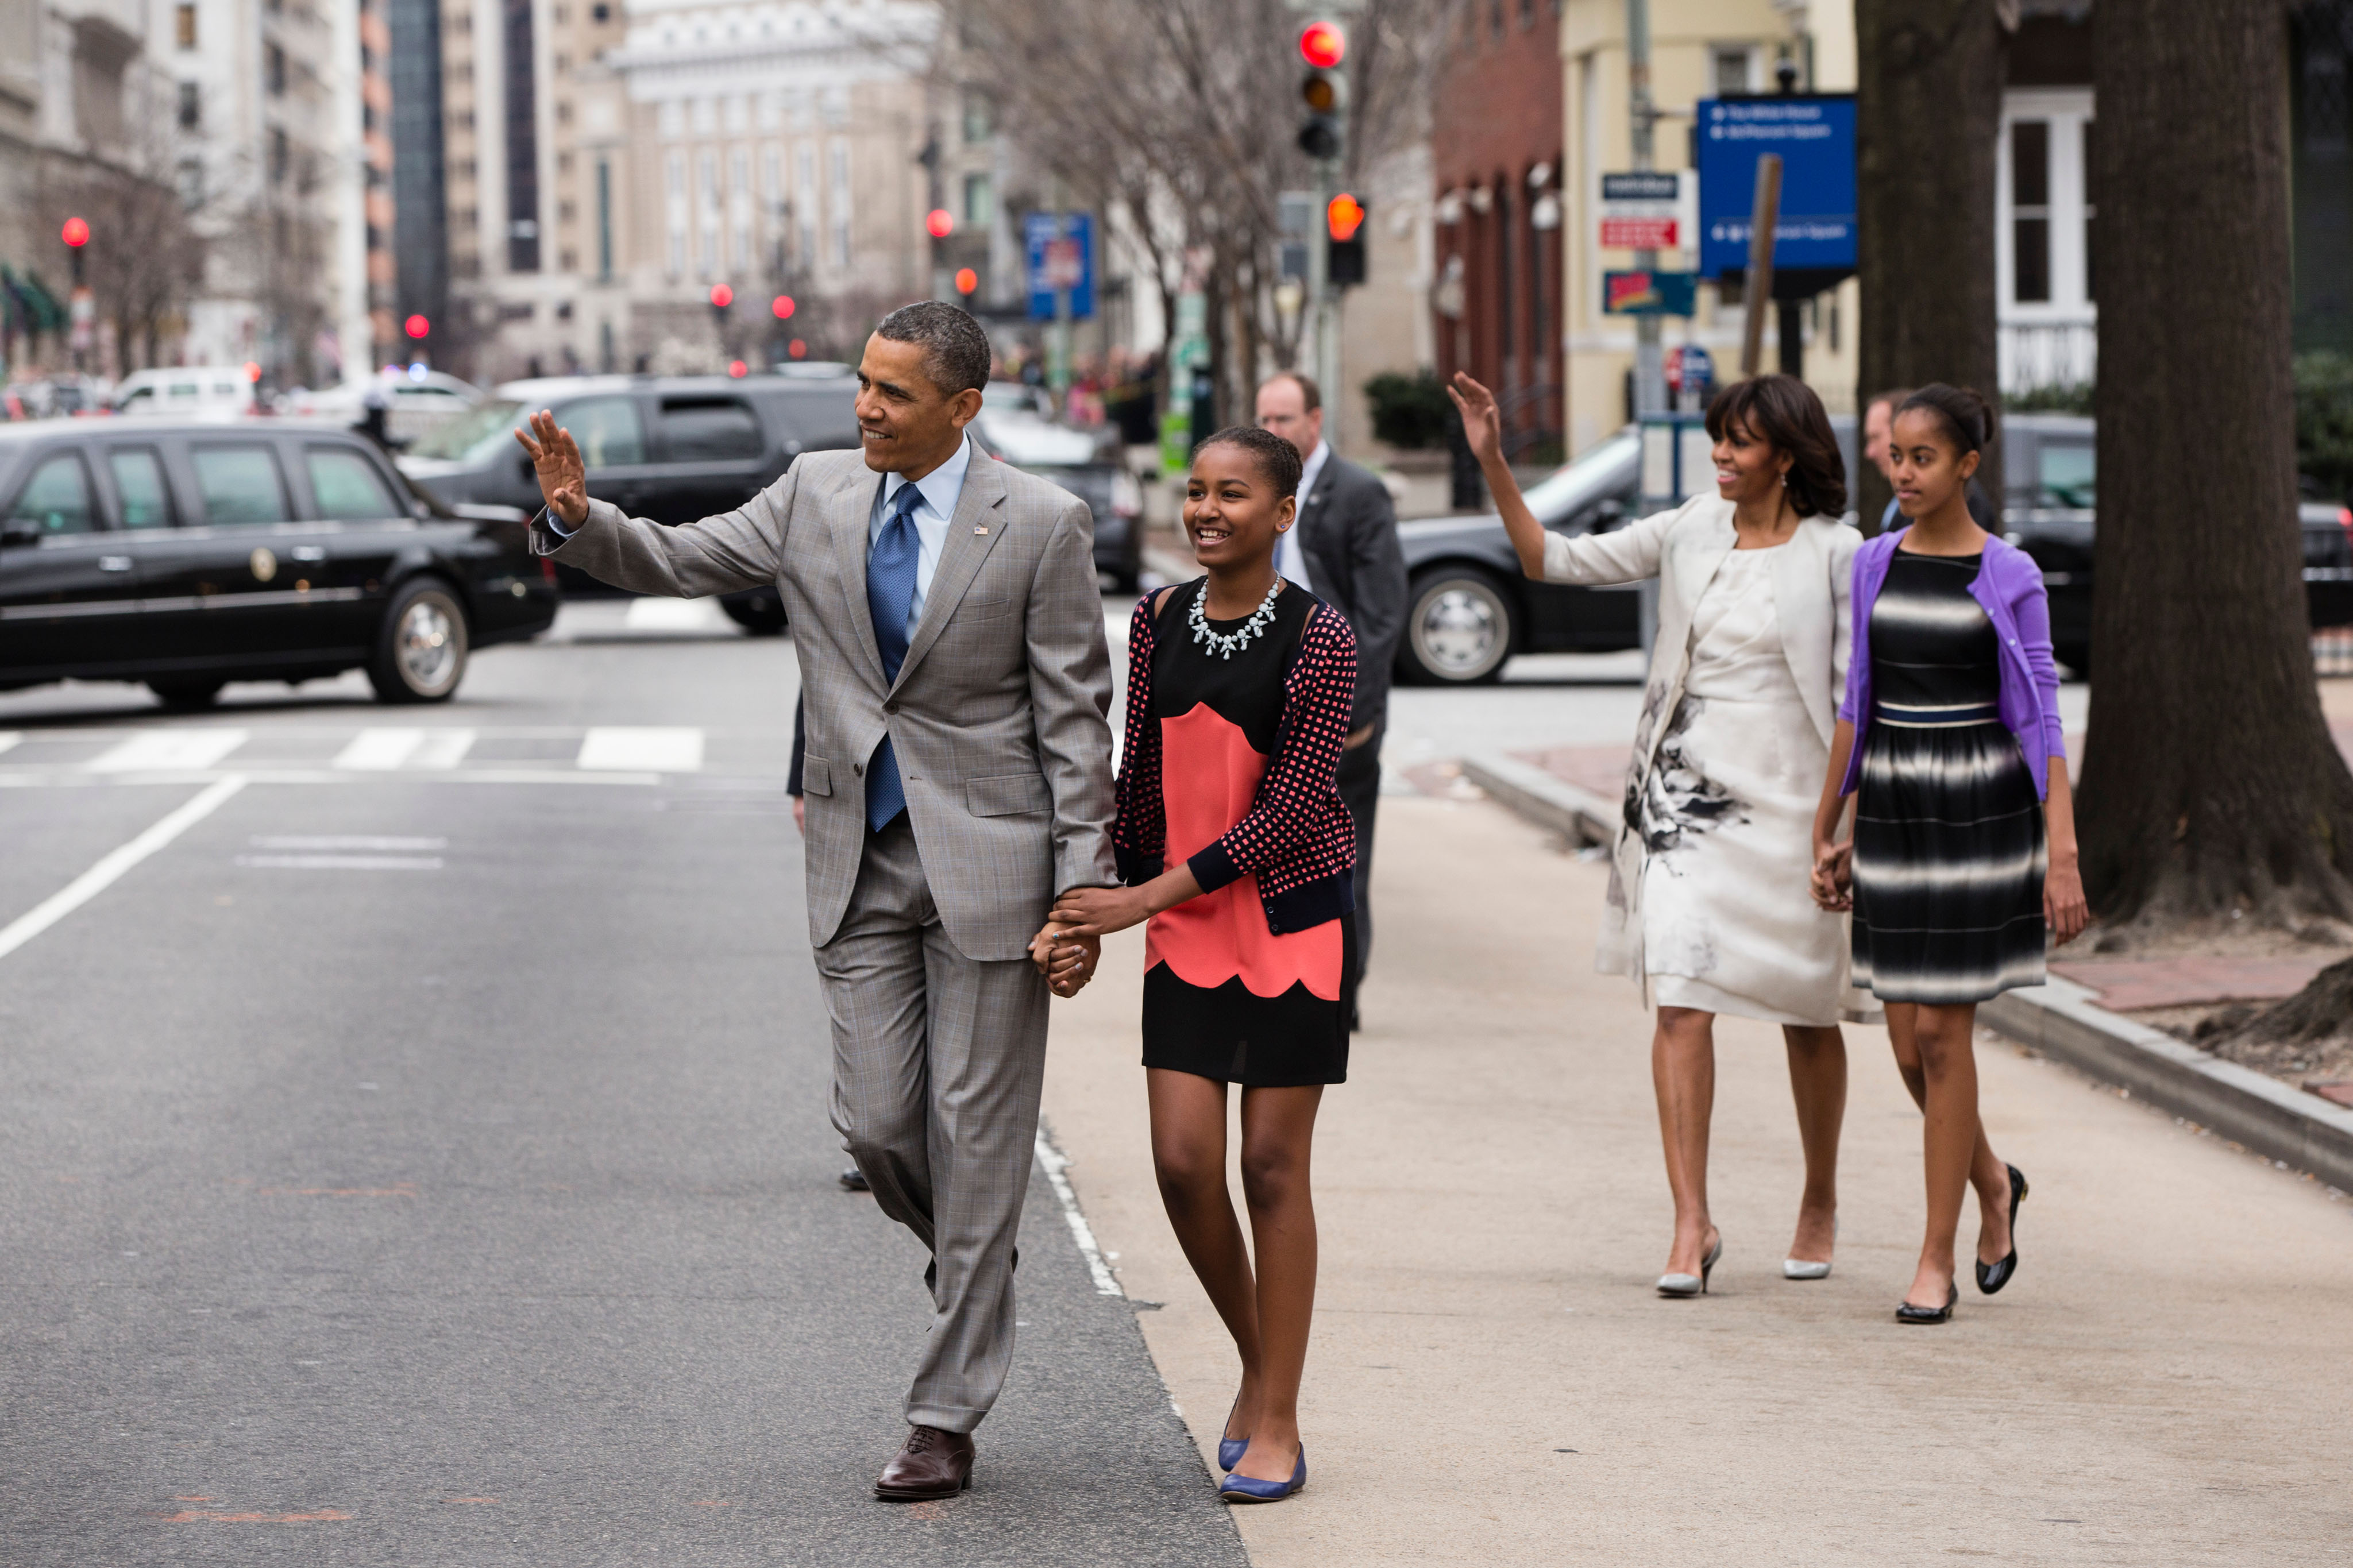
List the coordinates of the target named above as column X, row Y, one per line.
column 555, row 458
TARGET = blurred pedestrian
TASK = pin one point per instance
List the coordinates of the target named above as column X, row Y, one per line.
column 1877, row 415
column 1964, row 839
column 1706, row 906
column 1237, row 850
column 944, row 610
column 1345, row 551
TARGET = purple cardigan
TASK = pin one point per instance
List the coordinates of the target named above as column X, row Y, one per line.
column 2010, row 586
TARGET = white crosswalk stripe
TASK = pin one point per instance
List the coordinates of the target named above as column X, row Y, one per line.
column 373, row 751
column 641, row 748
column 442, row 748
column 169, row 751
column 676, row 616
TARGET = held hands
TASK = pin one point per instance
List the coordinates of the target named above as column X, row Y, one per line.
column 1833, row 876
column 1482, row 421
column 1066, row 962
column 555, row 458
column 1098, row 911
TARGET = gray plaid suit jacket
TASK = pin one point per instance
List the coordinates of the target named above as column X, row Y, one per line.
column 996, row 718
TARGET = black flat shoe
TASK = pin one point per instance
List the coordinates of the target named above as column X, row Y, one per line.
column 1992, row 1276
column 853, row 1180
column 1908, row 1313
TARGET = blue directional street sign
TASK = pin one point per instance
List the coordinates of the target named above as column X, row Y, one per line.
column 1814, row 134
column 1068, row 262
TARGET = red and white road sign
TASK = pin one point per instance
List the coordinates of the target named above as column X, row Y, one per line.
column 1639, row 234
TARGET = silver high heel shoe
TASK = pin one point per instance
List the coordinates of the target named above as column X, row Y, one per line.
column 1801, row 1268
column 1680, row 1285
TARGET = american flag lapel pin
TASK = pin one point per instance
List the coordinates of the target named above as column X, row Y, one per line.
column 980, row 528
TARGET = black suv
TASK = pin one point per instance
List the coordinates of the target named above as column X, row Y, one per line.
column 189, row 556
column 672, row 449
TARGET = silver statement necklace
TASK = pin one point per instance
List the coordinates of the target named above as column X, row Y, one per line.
column 1228, row 644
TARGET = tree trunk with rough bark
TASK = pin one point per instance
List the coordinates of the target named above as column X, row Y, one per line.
column 2211, row 788
column 1928, row 119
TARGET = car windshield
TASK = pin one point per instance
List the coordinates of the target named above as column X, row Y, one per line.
column 1583, row 481
column 477, row 434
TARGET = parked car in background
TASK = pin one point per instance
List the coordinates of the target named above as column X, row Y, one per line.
column 418, row 403
column 1010, row 429
column 186, row 554
column 672, row 449
column 218, row 392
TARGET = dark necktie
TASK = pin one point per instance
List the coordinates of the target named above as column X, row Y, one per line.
column 890, row 591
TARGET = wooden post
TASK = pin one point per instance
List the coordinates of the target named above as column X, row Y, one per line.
column 1757, row 293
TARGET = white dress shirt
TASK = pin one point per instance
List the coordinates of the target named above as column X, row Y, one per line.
column 1290, row 553
column 939, row 489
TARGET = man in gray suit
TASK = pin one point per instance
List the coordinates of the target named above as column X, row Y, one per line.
column 957, row 777
column 1344, row 551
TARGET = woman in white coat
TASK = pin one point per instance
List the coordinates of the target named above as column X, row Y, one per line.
column 1709, row 906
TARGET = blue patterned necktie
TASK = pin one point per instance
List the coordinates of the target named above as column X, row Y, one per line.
column 889, row 592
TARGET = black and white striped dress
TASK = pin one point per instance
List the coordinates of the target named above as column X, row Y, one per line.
column 1949, row 853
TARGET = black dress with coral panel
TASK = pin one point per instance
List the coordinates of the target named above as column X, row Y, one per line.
column 1225, row 997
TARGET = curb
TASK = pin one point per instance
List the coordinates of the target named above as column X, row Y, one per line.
column 1578, row 814
column 2060, row 1019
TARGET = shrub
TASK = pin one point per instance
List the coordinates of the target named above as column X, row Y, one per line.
column 2324, row 418
column 1411, row 413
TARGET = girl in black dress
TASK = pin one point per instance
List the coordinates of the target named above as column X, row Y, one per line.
column 1237, row 848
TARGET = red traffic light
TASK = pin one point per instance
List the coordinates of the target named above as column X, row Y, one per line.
column 782, row 305
column 76, row 233
column 1344, row 217
column 1323, row 45
column 966, row 280
column 252, row 369
column 736, row 367
column 721, row 296
column 417, row 326
column 797, row 349
column 939, row 223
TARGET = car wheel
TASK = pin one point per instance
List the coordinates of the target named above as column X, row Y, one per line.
column 420, row 650
column 1459, row 629
column 763, row 618
column 186, row 694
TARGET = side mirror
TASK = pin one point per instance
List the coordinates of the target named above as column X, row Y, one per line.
column 19, row 530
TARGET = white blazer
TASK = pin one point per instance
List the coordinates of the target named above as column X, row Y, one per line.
column 1813, row 585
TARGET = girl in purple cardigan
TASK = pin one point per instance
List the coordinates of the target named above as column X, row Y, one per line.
column 1964, row 841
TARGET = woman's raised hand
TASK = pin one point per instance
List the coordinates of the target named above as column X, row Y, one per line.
column 555, row 459
column 1482, row 421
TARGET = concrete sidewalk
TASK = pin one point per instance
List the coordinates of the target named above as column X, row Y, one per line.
column 1493, row 1379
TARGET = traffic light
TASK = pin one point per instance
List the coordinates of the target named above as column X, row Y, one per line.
column 1323, row 45
column 1344, row 224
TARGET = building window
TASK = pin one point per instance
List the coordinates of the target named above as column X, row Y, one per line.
column 1731, row 69
column 677, row 206
column 2091, row 210
column 601, row 13
column 1528, row 13
column 804, row 201
column 739, row 206
column 839, row 155
column 1495, row 19
column 192, row 182
column 605, row 219
column 1506, row 337
column 979, row 200
column 192, row 106
column 523, row 141
column 273, row 70
column 184, row 19
column 2030, row 223
column 709, row 171
column 280, row 155
column 979, row 116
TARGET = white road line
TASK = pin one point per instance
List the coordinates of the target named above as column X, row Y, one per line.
column 676, row 616
column 112, row 865
column 346, row 841
column 442, row 748
column 1056, row 1167
column 169, row 751
column 378, row 750
column 8, row 738
column 342, row 862
column 648, row 749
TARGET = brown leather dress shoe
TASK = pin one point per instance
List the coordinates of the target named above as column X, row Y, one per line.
column 934, row 1464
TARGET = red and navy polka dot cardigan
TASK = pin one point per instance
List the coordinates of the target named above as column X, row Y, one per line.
column 1298, row 840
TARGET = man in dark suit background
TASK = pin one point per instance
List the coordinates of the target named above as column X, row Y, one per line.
column 1344, row 551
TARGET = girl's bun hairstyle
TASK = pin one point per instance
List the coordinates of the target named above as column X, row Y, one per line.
column 1783, row 412
column 1278, row 460
column 1967, row 416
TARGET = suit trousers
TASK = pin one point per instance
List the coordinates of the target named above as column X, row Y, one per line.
column 938, row 1060
column 1359, row 781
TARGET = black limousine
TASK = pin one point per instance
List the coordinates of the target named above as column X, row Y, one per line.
column 186, row 556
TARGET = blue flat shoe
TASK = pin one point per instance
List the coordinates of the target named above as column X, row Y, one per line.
column 1230, row 1450
column 1249, row 1488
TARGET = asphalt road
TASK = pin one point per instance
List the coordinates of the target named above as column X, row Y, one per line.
column 422, row 1157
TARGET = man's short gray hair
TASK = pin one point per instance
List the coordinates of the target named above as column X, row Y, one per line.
column 956, row 351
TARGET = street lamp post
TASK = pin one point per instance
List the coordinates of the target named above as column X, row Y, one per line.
column 1650, row 365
